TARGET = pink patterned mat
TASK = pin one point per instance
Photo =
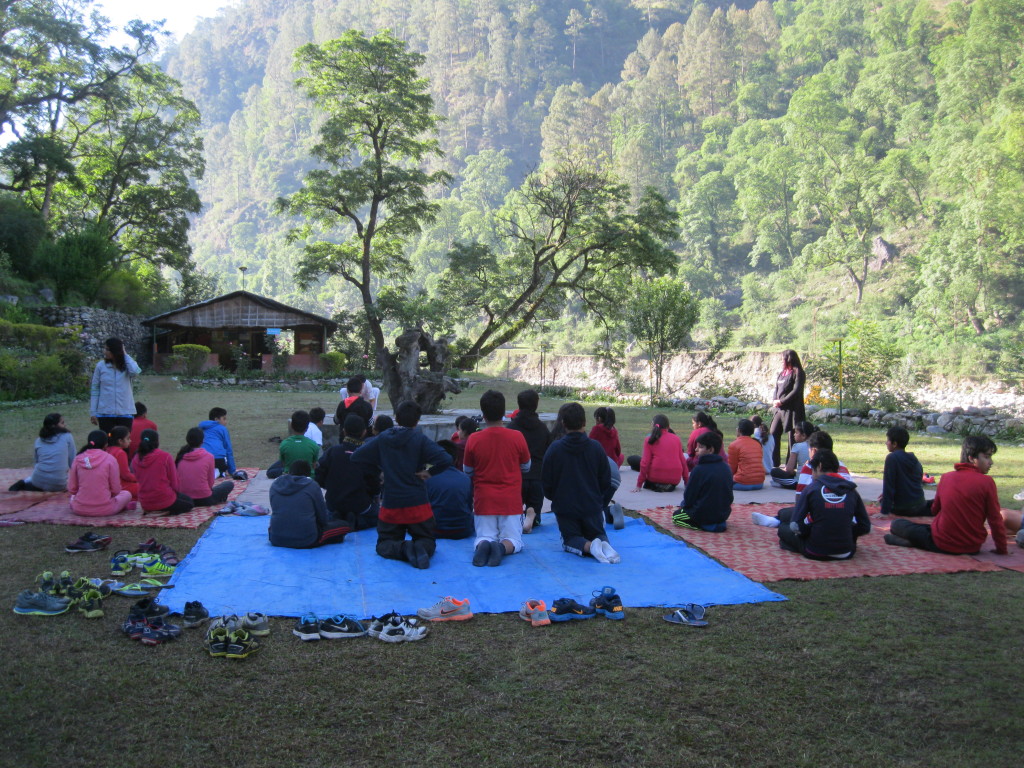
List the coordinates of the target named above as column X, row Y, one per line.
column 52, row 508
column 754, row 551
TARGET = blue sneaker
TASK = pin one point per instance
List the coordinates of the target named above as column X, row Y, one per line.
column 307, row 628
column 31, row 603
column 606, row 602
column 566, row 609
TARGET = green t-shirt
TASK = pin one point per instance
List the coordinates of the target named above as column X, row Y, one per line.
column 299, row 447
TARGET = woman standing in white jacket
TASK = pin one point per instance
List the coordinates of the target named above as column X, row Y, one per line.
column 112, row 400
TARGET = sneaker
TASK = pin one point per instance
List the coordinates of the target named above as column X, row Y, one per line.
column 168, row 556
column 64, row 583
column 101, row 539
column 217, row 640
column 168, row 631
column 447, row 609
column 618, row 518
column 341, row 626
column 377, row 624
column 566, row 609
column 307, row 628
column 31, row 603
column 148, row 607
column 158, row 569
column 230, row 623
column 151, row 636
column 149, row 545
column 766, row 521
column 47, row 583
column 398, row 629
column 607, row 603
column 76, row 592
column 83, row 545
column 497, row 553
column 482, row 553
column 241, row 644
column 134, row 626
column 120, row 565
column 195, row 614
column 535, row 612
column 256, row 624
column 597, row 551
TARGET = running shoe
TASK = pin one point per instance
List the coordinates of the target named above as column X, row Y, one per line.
column 398, row 629
column 120, row 565
column 134, row 626
column 157, row 569
column 447, row 609
column 160, row 625
column 83, row 545
column 64, row 583
column 148, row 607
column 307, row 628
column 230, row 623
column 341, row 626
column 607, row 603
column 567, row 609
column 91, row 604
column 256, row 624
column 535, row 612
column 241, row 644
column 47, row 583
column 377, row 624
column 217, row 640
column 31, row 603
column 195, row 614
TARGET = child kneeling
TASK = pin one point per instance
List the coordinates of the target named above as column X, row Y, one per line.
column 830, row 514
column 298, row 513
column 707, row 500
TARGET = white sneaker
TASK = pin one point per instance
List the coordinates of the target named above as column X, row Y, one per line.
column 766, row 520
column 611, row 554
column 597, row 550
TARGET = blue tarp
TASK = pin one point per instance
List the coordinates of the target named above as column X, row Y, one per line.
column 233, row 569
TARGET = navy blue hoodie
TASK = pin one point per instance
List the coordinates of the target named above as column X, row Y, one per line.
column 401, row 452
column 831, row 515
column 576, row 476
column 707, row 499
column 297, row 512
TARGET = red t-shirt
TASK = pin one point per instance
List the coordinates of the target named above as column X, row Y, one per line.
column 496, row 457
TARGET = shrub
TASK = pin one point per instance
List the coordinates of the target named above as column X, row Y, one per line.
column 195, row 356
column 38, row 377
column 333, row 363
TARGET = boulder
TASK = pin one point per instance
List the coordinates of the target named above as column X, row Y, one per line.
column 934, row 429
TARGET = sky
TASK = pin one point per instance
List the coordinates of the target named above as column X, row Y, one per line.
column 181, row 15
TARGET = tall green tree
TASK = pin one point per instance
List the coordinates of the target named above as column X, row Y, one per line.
column 370, row 193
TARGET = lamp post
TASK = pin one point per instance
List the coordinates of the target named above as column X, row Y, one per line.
column 243, row 269
column 839, row 342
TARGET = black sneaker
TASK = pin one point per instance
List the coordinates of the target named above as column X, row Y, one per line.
column 307, row 627
column 194, row 614
column 148, row 608
column 217, row 640
column 241, row 644
column 341, row 626
column 83, row 545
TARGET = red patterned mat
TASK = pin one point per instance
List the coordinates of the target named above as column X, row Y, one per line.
column 16, row 501
column 53, row 508
column 754, row 551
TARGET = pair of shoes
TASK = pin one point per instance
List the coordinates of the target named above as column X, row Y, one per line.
column 447, row 609
column 602, row 551
column 691, row 614
column 416, row 554
column 767, row 521
column 309, row 627
column 535, row 612
column 566, row 609
column 377, row 624
column 47, row 583
column 88, row 542
column 607, row 602
column 151, row 630
column 256, row 624
column 195, row 614
column 224, row 643
column 398, row 629
column 29, row 603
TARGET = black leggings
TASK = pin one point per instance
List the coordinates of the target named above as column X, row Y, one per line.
column 218, row 496
column 182, row 504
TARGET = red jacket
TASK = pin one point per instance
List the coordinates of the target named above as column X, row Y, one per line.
column 158, row 480
column 965, row 499
column 128, row 481
column 139, row 423
column 663, row 462
column 608, row 437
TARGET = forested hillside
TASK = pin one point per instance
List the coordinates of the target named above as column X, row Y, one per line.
column 839, row 168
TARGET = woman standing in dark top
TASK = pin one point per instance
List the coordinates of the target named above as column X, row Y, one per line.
column 788, row 401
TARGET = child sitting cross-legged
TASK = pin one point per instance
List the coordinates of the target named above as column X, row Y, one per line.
column 830, row 514
column 94, row 481
column 745, row 459
column 965, row 501
column 298, row 514
column 902, row 489
column 707, row 499
column 496, row 459
column 197, row 472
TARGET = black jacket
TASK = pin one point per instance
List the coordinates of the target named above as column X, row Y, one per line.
column 349, row 488
column 576, row 476
column 789, row 389
column 901, row 483
column 707, row 499
column 538, row 438
column 831, row 515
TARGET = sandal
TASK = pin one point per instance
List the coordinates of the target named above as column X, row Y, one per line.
column 690, row 614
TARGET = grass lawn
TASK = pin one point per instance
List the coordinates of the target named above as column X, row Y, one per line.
column 892, row 671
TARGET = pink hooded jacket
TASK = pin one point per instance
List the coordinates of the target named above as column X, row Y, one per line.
column 94, row 480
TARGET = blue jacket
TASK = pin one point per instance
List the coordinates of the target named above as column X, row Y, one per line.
column 297, row 512
column 218, row 442
column 576, row 476
column 111, row 393
column 399, row 453
column 451, row 498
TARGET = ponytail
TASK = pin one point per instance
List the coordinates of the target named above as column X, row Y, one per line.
column 193, row 440
column 97, row 439
column 148, row 442
column 660, row 425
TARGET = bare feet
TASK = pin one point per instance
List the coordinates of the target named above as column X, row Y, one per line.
column 531, row 516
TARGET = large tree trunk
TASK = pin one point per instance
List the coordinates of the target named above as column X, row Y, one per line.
column 404, row 379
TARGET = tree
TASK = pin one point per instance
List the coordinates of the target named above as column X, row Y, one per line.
column 568, row 234
column 660, row 314
column 370, row 193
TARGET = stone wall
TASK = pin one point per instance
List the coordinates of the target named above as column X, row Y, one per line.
column 98, row 325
